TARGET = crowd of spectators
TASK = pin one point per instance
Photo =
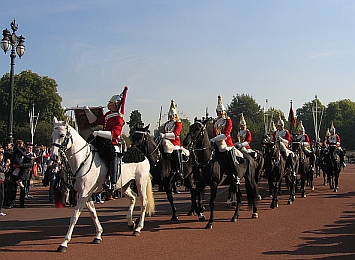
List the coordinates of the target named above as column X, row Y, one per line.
column 22, row 162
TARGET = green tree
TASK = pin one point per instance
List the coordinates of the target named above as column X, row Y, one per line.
column 30, row 89
column 135, row 119
column 342, row 114
column 185, row 128
column 253, row 114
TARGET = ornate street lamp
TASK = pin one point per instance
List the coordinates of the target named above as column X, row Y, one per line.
column 15, row 42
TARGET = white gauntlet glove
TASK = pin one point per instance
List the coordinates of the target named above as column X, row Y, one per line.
column 90, row 115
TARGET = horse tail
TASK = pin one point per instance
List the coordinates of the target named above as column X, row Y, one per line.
column 149, row 192
column 250, row 184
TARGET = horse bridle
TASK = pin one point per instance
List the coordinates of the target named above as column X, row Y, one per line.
column 63, row 147
column 194, row 140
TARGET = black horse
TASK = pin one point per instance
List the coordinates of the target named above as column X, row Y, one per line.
column 275, row 166
column 213, row 165
column 304, row 166
column 161, row 167
column 333, row 166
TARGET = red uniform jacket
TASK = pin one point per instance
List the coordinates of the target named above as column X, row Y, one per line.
column 285, row 134
column 114, row 122
column 223, row 126
column 244, row 136
column 174, row 127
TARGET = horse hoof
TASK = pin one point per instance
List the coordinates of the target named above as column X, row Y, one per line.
column 174, row 218
column 255, row 215
column 234, row 219
column 131, row 227
column 259, row 197
column 304, row 196
column 136, row 233
column 96, row 241
column 228, row 205
column 272, row 206
column 277, row 205
column 312, row 188
column 208, row 226
column 289, row 202
column 62, row 249
column 335, row 190
column 202, row 217
column 202, row 209
column 190, row 213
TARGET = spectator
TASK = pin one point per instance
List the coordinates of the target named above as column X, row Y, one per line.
column 25, row 172
column 4, row 168
column 53, row 168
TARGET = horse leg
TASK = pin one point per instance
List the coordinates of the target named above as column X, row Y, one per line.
column 212, row 204
column 229, row 198
column 197, row 206
column 144, row 202
column 239, row 201
column 292, row 184
column 74, row 218
column 303, row 185
column 169, row 195
column 91, row 207
column 132, row 202
column 336, row 179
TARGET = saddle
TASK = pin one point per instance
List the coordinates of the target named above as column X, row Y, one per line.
column 107, row 151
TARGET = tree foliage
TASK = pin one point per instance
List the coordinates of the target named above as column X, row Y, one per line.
column 30, row 89
column 253, row 114
column 135, row 119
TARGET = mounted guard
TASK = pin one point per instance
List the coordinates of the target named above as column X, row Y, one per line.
column 334, row 138
column 283, row 135
column 305, row 141
column 221, row 133
column 171, row 141
column 243, row 138
column 112, row 123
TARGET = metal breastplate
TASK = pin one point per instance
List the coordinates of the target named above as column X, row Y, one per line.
column 219, row 125
column 170, row 126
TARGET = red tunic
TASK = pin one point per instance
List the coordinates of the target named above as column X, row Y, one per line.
column 114, row 122
column 285, row 134
column 174, row 127
column 333, row 139
column 223, row 126
column 244, row 136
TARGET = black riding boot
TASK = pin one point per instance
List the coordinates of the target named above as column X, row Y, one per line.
column 177, row 163
column 292, row 162
column 233, row 160
column 342, row 159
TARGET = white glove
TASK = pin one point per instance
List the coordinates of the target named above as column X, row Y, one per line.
column 90, row 115
column 162, row 135
column 245, row 144
column 103, row 134
column 220, row 137
column 212, row 140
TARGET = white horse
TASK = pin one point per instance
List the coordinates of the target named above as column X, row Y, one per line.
column 90, row 173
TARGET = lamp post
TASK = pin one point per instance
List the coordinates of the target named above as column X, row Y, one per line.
column 15, row 42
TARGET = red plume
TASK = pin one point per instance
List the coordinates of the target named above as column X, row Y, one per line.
column 123, row 100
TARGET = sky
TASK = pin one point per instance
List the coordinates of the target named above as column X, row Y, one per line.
column 188, row 50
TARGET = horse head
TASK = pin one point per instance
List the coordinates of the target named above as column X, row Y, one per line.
column 143, row 141
column 62, row 138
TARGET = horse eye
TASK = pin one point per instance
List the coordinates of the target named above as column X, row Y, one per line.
column 62, row 135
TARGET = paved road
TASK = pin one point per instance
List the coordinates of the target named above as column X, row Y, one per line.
column 321, row 226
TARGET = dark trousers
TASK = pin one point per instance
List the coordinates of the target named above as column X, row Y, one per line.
column 2, row 194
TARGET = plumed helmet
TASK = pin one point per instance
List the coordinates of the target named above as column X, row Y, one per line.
column 300, row 128
column 115, row 99
column 272, row 127
column 280, row 122
column 242, row 120
column 332, row 128
column 220, row 107
column 172, row 110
